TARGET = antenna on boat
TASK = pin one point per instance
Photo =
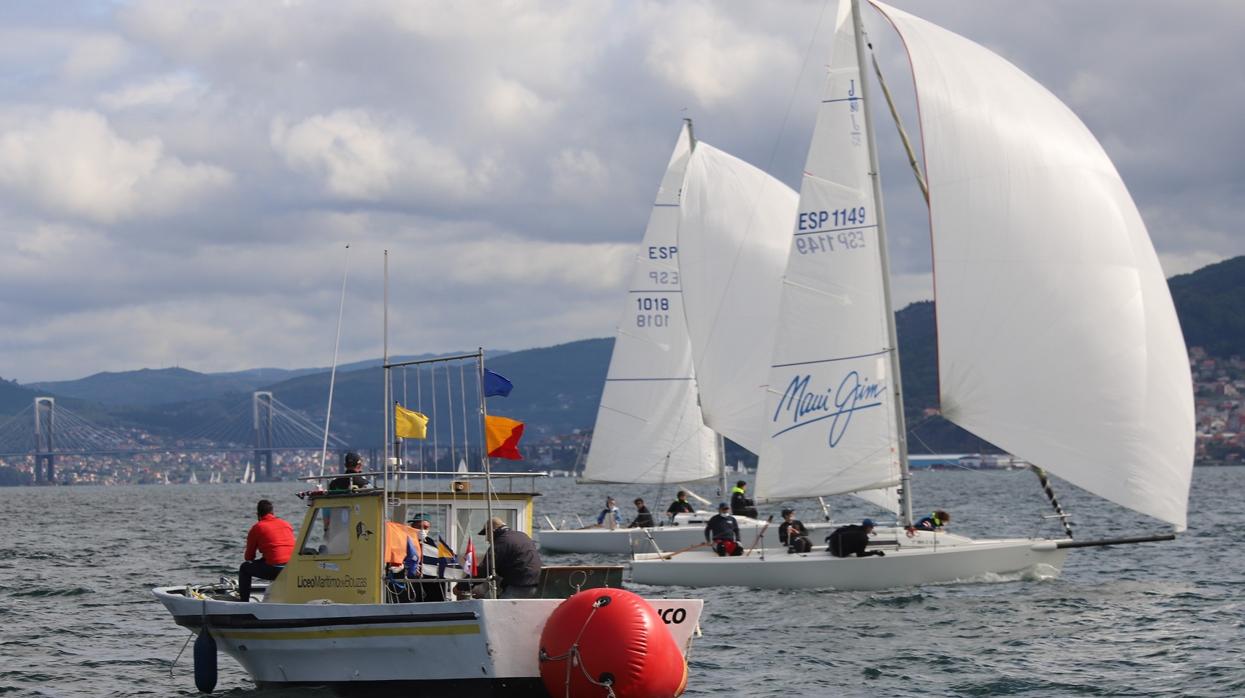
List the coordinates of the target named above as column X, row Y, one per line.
column 328, row 413
column 905, row 475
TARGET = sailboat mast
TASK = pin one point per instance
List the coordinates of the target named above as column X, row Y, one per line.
column 721, row 454
column 892, row 335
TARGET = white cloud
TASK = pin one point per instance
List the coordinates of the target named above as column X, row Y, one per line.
column 157, row 92
column 697, row 48
column 72, row 162
column 95, row 56
column 578, row 175
column 358, row 156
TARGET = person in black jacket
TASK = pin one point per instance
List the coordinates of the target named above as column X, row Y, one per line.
column 643, row 519
column 741, row 505
column 852, row 540
column 518, row 561
column 723, row 531
column 793, row 534
column 349, row 481
column 680, row 505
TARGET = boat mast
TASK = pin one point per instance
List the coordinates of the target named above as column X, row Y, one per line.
column 905, row 476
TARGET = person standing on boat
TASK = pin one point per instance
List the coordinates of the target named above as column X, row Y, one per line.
column 350, row 481
column 793, row 534
column 741, row 505
column 609, row 517
column 680, row 505
column 643, row 519
column 850, row 540
column 518, row 561
column 723, row 532
column 933, row 522
column 273, row 538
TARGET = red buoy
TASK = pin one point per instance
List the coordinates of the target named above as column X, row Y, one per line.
column 609, row 637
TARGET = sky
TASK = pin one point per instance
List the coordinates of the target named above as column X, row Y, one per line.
column 179, row 181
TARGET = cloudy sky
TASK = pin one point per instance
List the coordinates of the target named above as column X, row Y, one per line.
column 178, row 181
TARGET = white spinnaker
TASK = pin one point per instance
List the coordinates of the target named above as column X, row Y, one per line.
column 734, row 233
column 1057, row 336
column 649, row 427
column 830, row 410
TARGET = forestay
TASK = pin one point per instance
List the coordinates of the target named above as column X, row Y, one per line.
column 649, row 427
column 734, row 232
column 829, row 410
column 1057, row 337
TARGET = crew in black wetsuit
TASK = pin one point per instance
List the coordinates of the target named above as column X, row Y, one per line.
column 793, row 534
column 643, row 519
column 680, row 505
column 723, row 531
column 852, row 540
column 741, row 505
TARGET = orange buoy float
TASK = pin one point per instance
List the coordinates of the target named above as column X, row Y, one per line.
column 609, row 642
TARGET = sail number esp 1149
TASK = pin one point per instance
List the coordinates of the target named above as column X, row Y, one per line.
column 827, row 231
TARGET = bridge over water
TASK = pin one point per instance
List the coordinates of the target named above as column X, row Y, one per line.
column 261, row 426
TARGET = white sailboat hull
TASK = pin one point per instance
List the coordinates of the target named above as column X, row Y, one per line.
column 951, row 559
column 476, row 647
column 627, row 541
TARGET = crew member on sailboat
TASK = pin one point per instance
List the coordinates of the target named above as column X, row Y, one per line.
column 933, row 522
column 723, row 531
column 741, row 505
column 680, row 505
column 643, row 518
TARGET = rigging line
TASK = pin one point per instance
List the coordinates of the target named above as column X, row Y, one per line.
column 903, row 133
column 341, row 307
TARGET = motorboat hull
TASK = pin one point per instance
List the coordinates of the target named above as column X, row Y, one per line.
column 483, row 646
column 905, row 565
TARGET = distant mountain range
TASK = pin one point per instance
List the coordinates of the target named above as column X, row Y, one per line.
column 558, row 388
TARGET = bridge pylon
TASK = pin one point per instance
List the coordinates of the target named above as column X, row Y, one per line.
column 45, row 431
column 261, row 412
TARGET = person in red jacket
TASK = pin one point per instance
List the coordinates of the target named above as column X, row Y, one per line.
column 274, row 539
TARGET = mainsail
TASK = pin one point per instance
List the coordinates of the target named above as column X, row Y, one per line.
column 1057, row 336
column 649, row 426
column 734, row 232
column 830, row 414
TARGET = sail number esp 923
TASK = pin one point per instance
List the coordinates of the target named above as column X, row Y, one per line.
column 827, row 231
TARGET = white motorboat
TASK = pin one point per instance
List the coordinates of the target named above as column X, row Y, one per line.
column 1043, row 271
column 337, row 616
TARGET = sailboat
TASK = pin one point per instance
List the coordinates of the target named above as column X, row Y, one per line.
column 657, row 422
column 248, row 474
column 194, row 479
column 1043, row 270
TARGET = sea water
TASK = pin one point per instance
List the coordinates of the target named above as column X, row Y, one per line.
column 77, row 617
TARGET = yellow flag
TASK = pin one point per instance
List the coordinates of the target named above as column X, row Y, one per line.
column 408, row 424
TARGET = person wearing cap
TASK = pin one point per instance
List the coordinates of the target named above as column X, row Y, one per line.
column 429, row 554
column 273, row 539
column 518, row 561
column 680, row 505
column 933, row 522
column 741, row 505
column 793, row 534
column 852, row 539
column 351, row 480
column 723, row 532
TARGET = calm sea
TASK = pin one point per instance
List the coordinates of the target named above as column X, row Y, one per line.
column 76, row 618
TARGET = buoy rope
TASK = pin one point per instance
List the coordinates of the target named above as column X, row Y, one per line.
column 180, row 653
column 574, row 658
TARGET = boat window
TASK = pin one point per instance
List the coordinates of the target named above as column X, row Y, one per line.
column 329, row 533
column 437, row 514
column 470, row 521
